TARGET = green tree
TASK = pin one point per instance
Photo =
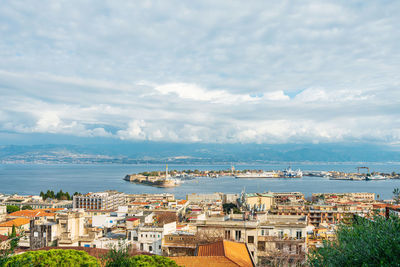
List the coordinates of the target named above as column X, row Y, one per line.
column 227, row 207
column 53, row 258
column 120, row 257
column 396, row 195
column 365, row 242
column 6, row 253
column 12, row 208
column 26, row 207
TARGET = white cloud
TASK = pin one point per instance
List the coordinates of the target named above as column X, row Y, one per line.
column 178, row 71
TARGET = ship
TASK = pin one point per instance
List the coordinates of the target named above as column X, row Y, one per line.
column 265, row 174
column 289, row 173
column 375, row 177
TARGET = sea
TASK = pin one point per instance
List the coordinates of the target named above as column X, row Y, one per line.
column 30, row 179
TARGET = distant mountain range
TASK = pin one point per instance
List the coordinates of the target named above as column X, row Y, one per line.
column 152, row 152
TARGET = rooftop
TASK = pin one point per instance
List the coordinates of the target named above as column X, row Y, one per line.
column 17, row 222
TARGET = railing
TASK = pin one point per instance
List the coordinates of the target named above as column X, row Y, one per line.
column 278, row 238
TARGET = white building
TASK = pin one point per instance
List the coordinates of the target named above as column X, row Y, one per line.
column 149, row 238
column 108, row 200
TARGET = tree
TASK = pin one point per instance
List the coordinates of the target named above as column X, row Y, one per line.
column 230, row 206
column 166, row 217
column 396, row 195
column 12, row 208
column 365, row 242
column 122, row 257
column 9, row 248
column 26, row 207
column 53, row 257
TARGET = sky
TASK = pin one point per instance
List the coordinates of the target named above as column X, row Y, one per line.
column 270, row 72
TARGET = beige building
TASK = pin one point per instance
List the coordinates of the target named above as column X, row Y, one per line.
column 259, row 201
column 232, row 227
column 281, row 240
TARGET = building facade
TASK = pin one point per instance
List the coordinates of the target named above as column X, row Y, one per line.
column 107, row 200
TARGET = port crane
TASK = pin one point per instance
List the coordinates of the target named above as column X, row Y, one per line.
column 366, row 168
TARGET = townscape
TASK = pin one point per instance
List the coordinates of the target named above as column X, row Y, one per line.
column 264, row 227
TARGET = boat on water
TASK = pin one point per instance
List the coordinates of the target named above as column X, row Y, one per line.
column 375, row 177
column 265, row 174
column 289, row 173
column 346, row 178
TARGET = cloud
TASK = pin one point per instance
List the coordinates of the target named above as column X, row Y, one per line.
column 280, row 72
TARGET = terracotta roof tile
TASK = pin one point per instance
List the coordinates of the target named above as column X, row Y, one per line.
column 204, row 261
column 234, row 251
column 30, row 213
column 17, row 222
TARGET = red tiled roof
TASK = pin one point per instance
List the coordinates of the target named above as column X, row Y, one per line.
column 31, row 213
column 132, row 219
column 234, row 251
column 17, row 222
column 204, row 261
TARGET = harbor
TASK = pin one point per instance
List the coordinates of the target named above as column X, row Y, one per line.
column 32, row 178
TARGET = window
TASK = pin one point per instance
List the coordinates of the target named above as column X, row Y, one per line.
column 298, row 235
column 150, row 248
column 227, row 234
column 280, row 234
column 262, row 232
column 35, row 234
column 238, row 235
column 250, row 239
column 141, row 246
column 159, row 247
column 278, row 246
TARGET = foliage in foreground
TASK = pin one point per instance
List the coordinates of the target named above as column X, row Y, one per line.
column 121, row 258
column 53, row 257
column 364, row 243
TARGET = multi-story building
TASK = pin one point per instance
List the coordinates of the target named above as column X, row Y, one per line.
column 288, row 197
column 179, row 244
column 235, row 227
column 258, row 201
column 281, row 240
column 106, row 200
column 149, row 238
column 3, row 213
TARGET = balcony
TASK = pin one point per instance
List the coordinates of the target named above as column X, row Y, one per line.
column 280, row 239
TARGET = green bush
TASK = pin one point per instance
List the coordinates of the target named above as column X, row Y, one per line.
column 120, row 257
column 12, row 208
column 364, row 243
column 53, row 258
column 152, row 261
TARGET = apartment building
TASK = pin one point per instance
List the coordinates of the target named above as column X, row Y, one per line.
column 179, row 243
column 234, row 227
column 149, row 238
column 258, row 201
column 106, row 200
column 281, row 240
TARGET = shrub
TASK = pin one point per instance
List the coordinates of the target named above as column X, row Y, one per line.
column 120, row 257
column 12, row 208
column 53, row 258
column 363, row 243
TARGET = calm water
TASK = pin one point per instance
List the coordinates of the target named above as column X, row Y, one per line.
column 31, row 179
